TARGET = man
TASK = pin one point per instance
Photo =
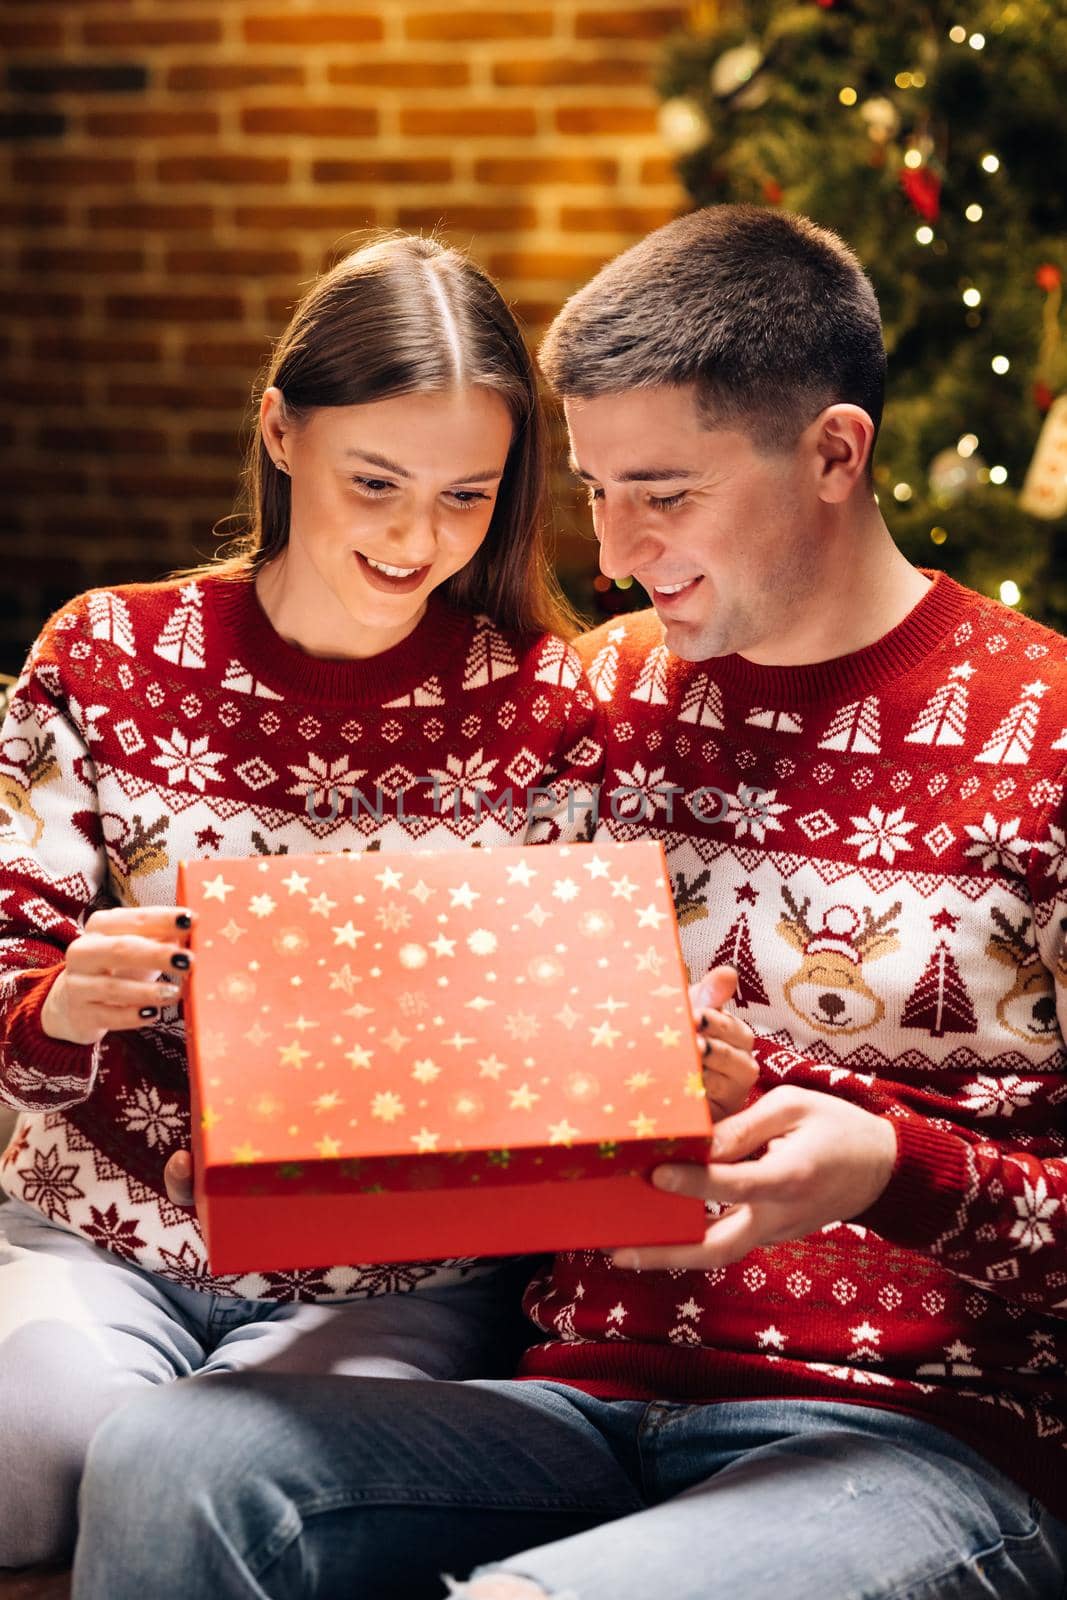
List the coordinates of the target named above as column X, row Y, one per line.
column 855, row 1384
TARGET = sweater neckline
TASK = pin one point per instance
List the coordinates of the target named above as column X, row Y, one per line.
column 432, row 647
column 943, row 606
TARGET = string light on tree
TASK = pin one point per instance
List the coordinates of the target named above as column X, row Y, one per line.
column 1000, row 365
column 972, row 297
column 958, row 35
column 902, row 491
column 848, row 96
column 977, row 41
column 924, row 234
column 974, row 213
column 998, row 474
column 990, row 163
column 1010, row 592
column 913, row 158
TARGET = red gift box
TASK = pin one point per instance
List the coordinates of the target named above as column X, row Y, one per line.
column 438, row 1053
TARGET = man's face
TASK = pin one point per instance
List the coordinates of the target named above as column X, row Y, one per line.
column 723, row 538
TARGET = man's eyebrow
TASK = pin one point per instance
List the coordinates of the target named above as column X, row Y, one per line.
column 637, row 474
column 490, row 475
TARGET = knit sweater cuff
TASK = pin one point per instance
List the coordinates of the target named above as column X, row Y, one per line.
column 928, row 1186
column 35, row 1051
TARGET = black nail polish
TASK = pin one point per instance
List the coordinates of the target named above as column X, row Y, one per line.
column 181, row 961
column 183, row 920
column 148, row 1012
column 705, row 1047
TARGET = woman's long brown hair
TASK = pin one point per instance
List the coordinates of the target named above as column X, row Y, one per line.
column 375, row 326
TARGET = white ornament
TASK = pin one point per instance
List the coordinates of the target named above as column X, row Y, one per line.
column 733, row 70
column 1044, row 493
column 953, row 475
column 881, row 118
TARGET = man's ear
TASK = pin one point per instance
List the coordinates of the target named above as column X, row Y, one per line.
column 842, row 438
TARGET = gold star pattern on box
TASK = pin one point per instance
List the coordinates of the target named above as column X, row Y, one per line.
column 523, row 1004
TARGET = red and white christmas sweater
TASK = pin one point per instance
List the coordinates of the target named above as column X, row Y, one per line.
column 877, row 843
column 165, row 722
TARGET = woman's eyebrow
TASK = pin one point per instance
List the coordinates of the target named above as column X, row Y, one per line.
column 490, row 475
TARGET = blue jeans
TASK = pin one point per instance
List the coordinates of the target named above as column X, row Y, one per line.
column 82, row 1332
column 252, row 1486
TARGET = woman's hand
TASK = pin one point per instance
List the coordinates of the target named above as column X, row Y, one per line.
column 119, row 973
column 730, row 1070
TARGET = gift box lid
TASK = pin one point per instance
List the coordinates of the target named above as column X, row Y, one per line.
column 360, row 1006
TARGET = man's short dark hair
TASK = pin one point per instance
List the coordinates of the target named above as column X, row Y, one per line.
column 771, row 317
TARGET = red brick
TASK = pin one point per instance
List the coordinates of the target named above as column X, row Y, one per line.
column 561, row 264
column 222, row 75
column 535, row 313
column 173, row 307
column 659, row 169
column 606, row 119
column 546, row 169
column 87, row 352
column 279, row 308
column 479, row 218
column 135, row 214
column 648, row 22
column 318, row 122
column 235, row 263
column 173, row 487
column 500, row 23
column 16, row 214
column 401, row 74
column 40, row 303
column 38, row 33
column 130, row 31
column 314, row 27
column 43, row 478
column 150, row 124
column 280, row 217
column 227, row 168
column 431, row 169
column 86, row 439
column 220, row 445
column 474, row 121
column 565, row 72
column 245, row 355
column 176, row 397
column 615, row 219
column 73, row 169
column 81, row 258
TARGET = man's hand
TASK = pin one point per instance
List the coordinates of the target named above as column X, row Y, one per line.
column 825, row 1161
column 730, row 1070
column 178, row 1178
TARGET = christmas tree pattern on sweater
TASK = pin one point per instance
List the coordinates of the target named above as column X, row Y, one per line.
column 879, row 845
column 165, row 722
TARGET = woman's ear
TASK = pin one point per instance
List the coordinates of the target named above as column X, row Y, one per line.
column 842, row 440
column 274, row 426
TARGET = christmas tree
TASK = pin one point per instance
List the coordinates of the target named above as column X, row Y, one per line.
column 939, row 1003
column 933, row 138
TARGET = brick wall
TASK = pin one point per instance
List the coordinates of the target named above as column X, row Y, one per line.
column 176, row 168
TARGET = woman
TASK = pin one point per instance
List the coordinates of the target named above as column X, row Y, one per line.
column 388, row 631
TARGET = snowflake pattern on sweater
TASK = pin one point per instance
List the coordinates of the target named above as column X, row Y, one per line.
column 877, row 843
column 170, row 721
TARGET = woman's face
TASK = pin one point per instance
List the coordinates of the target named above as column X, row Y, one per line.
column 388, row 500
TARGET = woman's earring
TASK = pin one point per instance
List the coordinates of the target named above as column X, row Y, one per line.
column 281, row 466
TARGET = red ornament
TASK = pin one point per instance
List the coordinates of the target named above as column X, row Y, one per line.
column 1043, row 396
column 772, row 192
column 1048, row 277
column 923, row 189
